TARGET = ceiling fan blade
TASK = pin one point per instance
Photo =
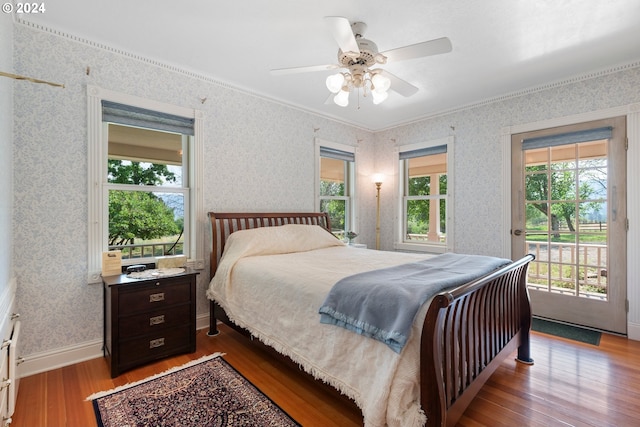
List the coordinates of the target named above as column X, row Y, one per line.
column 343, row 34
column 329, row 100
column 400, row 86
column 309, row 69
column 419, row 50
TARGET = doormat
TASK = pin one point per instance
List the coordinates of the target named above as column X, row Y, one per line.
column 566, row 331
column 204, row 392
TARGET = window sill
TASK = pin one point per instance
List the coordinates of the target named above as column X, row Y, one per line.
column 419, row 247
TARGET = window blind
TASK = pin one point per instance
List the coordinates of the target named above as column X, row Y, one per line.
column 334, row 153
column 122, row 114
column 567, row 138
column 427, row 151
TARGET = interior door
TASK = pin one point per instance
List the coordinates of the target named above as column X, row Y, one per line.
column 569, row 210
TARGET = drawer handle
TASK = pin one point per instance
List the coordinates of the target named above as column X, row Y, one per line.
column 156, row 297
column 156, row 343
column 156, row 320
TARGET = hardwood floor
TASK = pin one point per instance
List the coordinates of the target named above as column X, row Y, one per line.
column 570, row 384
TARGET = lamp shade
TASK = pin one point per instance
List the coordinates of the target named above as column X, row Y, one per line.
column 335, row 82
column 342, row 98
column 378, row 178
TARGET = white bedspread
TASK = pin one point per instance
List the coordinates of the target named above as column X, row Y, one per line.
column 275, row 293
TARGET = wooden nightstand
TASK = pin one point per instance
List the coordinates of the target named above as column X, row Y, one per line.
column 148, row 319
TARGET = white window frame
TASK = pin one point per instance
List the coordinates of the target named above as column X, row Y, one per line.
column 350, row 184
column 98, row 187
column 431, row 247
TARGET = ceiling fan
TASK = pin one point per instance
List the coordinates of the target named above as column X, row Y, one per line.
column 357, row 55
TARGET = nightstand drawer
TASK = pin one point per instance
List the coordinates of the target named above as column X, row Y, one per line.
column 148, row 319
column 154, row 321
column 145, row 298
column 154, row 346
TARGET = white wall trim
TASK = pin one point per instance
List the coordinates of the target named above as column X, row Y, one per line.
column 398, row 243
column 65, row 356
column 633, row 214
column 7, row 306
column 354, row 196
column 633, row 331
column 209, row 79
column 519, row 93
column 317, row 143
column 505, row 142
column 96, row 148
column 177, row 69
column 202, row 321
column 199, row 235
column 622, row 110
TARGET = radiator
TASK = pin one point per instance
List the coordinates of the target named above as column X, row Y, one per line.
column 9, row 362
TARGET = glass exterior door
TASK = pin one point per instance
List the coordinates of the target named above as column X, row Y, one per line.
column 570, row 212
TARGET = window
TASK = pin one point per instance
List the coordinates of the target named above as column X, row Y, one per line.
column 335, row 185
column 425, row 188
column 147, row 185
column 143, row 176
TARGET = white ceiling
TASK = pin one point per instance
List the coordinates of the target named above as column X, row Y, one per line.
column 499, row 46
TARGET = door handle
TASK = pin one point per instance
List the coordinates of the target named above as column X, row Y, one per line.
column 517, row 232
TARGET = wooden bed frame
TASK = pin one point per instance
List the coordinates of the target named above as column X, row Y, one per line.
column 467, row 332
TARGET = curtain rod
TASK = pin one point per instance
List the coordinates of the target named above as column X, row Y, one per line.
column 30, row 79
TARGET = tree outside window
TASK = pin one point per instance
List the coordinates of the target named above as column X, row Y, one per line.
column 146, row 193
column 336, row 189
column 426, row 186
column 425, row 198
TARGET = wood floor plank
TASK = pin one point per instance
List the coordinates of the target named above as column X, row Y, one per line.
column 570, row 384
column 32, row 389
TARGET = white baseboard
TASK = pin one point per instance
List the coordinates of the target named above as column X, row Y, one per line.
column 202, row 321
column 633, row 331
column 65, row 356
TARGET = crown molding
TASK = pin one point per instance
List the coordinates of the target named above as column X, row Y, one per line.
column 523, row 92
column 179, row 70
column 488, row 101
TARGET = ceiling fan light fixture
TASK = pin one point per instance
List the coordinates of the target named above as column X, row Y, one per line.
column 380, row 58
column 356, row 54
column 380, row 82
column 379, row 97
column 335, row 82
column 342, row 98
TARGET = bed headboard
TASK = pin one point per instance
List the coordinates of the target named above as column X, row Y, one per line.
column 223, row 224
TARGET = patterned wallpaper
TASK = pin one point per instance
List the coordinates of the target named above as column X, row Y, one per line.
column 258, row 155
column 6, row 149
column 478, row 186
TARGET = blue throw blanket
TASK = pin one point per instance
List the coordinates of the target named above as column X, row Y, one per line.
column 382, row 304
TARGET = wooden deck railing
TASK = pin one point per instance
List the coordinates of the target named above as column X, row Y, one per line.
column 148, row 250
column 565, row 265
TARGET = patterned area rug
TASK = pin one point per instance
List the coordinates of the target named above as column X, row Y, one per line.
column 205, row 392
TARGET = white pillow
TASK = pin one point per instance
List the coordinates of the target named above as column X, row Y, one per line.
column 279, row 240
